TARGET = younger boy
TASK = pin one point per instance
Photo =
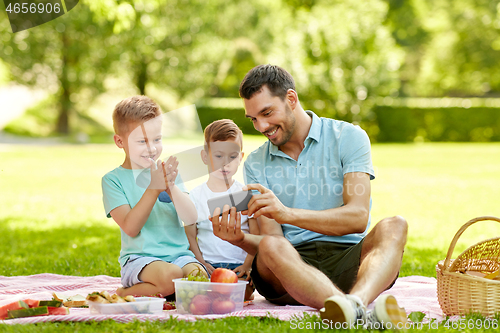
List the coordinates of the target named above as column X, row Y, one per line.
column 154, row 246
column 222, row 155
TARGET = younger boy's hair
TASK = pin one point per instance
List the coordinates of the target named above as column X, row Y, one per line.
column 134, row 109
column 223, row 130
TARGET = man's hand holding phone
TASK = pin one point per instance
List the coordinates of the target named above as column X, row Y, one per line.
column 266, row 204
column 238, row 199
column 228, row 225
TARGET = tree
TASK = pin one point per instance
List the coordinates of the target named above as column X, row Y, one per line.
column 452, row 47
column 340, row 53
column 342, row 56
column 184, row 46
column 64, row 56
column 404, row 20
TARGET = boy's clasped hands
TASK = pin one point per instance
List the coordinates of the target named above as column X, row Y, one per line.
column 163, row 174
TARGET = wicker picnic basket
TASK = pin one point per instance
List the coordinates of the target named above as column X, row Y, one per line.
column 459, row 292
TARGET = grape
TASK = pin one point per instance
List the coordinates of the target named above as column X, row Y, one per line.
column 188, row 292
column 198, row 276
column 182, row 293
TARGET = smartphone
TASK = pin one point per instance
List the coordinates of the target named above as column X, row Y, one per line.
column 237, row 199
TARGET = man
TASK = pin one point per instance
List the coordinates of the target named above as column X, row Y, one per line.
column 313, row 175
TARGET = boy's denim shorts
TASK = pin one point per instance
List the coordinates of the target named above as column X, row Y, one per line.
column 227, row 265
column 135, row 264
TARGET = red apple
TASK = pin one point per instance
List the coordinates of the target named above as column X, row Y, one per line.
column 224, row 275
column 223, row 305
column 200, row 305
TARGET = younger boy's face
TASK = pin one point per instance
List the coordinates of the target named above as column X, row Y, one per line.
column 223, row 158
column 144, row 143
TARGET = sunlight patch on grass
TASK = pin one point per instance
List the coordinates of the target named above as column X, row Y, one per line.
column 438, row 188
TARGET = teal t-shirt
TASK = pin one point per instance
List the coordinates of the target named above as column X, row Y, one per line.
column 162, row 236
column 315, row 181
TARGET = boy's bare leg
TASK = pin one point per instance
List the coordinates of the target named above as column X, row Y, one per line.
column 157, row 277
column 381, row 258
column 281, row 266
column 193, row 269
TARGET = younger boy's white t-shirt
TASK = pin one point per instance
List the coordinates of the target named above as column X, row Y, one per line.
column 214, row 249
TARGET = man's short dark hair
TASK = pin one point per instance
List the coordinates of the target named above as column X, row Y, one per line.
column 277, row 80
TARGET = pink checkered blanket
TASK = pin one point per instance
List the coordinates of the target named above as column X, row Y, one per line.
column 415, row 293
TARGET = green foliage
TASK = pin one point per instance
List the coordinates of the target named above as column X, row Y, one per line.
column 342, row 54
column 446, row 124
column 207, row 115
column 416, row 317
column 4, row 73
column 397, row 124
column 37, row 121
column 65, row 57
column 451, row 46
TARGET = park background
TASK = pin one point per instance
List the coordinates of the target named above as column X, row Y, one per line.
column 421, row 77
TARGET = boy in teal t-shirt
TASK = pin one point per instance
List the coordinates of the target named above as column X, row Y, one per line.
column 154, row 246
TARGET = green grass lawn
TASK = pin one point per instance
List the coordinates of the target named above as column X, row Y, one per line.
column 52, row 219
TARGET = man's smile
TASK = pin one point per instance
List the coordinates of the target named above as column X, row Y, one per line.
column 270, row 134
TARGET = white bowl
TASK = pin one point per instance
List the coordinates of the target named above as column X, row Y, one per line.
column 141, row 305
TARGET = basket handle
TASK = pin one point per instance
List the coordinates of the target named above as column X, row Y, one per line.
column 460, row 232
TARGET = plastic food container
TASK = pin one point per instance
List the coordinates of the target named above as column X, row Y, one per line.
column 201, row 298
column 141, row 305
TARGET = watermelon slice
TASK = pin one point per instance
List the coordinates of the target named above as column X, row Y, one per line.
column 58, row 311
column 51, row 304
column 32, row 303
column 39, row 311
column 4, row 310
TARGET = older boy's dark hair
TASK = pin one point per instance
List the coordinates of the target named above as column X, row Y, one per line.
column 223, row 130
column 277, row 80
column 134, row 109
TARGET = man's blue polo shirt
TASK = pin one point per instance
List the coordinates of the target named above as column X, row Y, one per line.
column 315, row 181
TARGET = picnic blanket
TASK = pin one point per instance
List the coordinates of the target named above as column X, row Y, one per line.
column 415, row 293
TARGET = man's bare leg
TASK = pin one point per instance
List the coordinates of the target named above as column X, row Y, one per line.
column 381, row 255
column 381, row 258
column 281, row 266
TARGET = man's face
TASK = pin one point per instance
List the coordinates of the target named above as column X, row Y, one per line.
column 223, row 158
column 144, row 143
column 271, row 116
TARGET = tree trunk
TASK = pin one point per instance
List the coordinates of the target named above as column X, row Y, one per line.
column 62, row 126
column 142, row 76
